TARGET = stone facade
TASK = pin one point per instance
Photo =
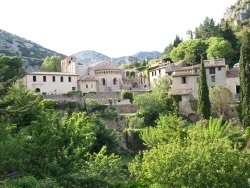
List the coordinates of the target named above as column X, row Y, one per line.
column 185, row 81
column 99, row 77
column 50, row 83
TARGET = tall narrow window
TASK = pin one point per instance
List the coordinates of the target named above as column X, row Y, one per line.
column 212, row 78
column 212, row 70
column 53, row 78
column 184, row 80
column 87, row 86
column 103, row 81
column 115, row 81
column 34, row 78
column 44, row 78
column 69, row 79
column 61, row 78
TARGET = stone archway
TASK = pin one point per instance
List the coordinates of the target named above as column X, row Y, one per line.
column 38, row 90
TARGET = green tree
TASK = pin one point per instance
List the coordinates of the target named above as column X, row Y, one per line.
column 204, row 106
column 20, row 105
column 244, row 108
column 220, row 98
column 125, row 94
column 190, row 34
column 58, row 146
column 189, row 48
column 177, row 41
column 168, row 49
column 162, row 85
column 218, row 48
column 201, row 155
column 228, row 34
column 207, row 29
column 51, row 64
column 13, row 66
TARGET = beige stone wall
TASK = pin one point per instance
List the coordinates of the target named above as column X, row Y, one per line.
column 109, row 84
column 49, row 86
column 220, row 76
column 231, row 83
column 87, row 86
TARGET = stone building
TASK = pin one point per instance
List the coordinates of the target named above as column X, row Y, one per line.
column 185, row 80
column 99, row 77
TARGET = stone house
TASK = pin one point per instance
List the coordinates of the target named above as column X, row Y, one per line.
column 185, row 81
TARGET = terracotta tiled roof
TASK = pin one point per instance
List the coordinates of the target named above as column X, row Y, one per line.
column 234, row 72
column 104, row 65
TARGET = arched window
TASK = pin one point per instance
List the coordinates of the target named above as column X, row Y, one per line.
column 103, row 81
column 38, row 90
column 115, row 81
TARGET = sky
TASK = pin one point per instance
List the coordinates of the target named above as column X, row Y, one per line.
column 112, row 27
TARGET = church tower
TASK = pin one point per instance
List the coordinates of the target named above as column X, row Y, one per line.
column 69, row 64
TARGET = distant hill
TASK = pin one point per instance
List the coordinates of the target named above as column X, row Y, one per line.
column 31, row 52
column 148, row 55
column 88, row 57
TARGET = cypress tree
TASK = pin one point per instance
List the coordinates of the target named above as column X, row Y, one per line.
column 204, row 106
column 244, row 108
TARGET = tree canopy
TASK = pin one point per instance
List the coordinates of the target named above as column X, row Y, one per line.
column 51, row 64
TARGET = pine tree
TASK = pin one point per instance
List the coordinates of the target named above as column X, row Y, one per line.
column 204, row 106
column 244, row 110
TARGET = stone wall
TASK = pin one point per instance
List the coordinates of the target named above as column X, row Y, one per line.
column 101, row 97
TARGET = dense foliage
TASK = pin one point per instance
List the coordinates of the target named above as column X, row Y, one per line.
column 244, row 111
column 51, row 64
column 199, row 155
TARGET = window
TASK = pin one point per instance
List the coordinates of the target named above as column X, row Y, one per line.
column 87, row 86
column 53, row 78
column 212, row 70
column 159, row 71
column 69, row 78
column 103, row 82
column 73, row 88
column 61, row 78
column 197, row 79
column 34, row 78
column 184, row 80
column 219, row 68
column 44, row 78
column 212, row 78
column 238, row 89
column 180, row 98
column 115, row 81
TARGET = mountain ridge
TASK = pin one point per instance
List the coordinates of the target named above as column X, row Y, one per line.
column 33, row 53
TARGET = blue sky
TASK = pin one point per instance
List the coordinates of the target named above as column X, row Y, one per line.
column 112, row 27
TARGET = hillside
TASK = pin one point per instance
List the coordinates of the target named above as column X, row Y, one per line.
column 31, row 52
column 88, row 57
column 239, row 13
